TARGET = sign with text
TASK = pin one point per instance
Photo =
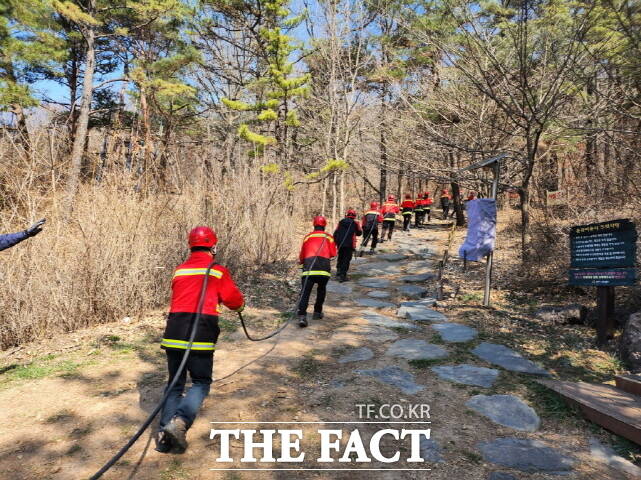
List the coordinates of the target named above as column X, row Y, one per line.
column 603, row 245
column 554, row 198
column 602, row 277
column 603, row 254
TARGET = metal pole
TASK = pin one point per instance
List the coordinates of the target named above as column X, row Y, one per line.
column 488, row 267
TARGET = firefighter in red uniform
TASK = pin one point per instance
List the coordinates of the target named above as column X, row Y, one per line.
column 180, row 411
column 407, row 208
column 345, row 237
column 370, row 222
column 446, row 199
column 427, row 206
column 315, row 257
column 418, row 211
column 389, row 211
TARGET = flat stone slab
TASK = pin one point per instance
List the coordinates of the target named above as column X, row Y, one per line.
column 525, row 455
column 384, row 321
column 420, row 277
column 373, row 303
column 606, row 455
column 396, row 377
column 379, row 268
column 421, row 314
column 412, row 291
column 392, row 257
column 357, row 334
column 467, row 374
column 374, row 282
column 506, row 410
column 430, row 450
column 507, row 358
column 339, row 288
column 418, row 267
column 423, row 302
column 379, row 294
column 501, row 476
column 358, row 355
column 412, row 349
column 455, row 332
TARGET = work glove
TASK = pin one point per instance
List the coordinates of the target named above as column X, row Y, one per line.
column 36, row 228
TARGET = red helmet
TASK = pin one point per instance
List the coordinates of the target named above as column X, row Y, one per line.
column 420, row 195
column 408, row 196
column 391, row 198
column 373, row 205
column 444, row 191
column 351, row 213
column 427, row 194
column 320, row 221
column 202, row 237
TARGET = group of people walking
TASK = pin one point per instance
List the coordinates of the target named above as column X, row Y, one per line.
column 200, row 286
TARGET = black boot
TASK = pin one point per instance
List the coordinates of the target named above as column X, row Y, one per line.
column 176, row 432
column 302, row 320
column 317, row 315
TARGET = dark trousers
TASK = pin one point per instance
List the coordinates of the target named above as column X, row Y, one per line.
column 321, row 291
column 446, row 211
column 344, row 258
column 418, row 218
column 388, row 226
column 373, row 234
column 428, row 212
column 199, row 366
column 407, row 219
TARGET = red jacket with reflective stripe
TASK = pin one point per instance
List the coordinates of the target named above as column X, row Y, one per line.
column 390, row 209
column 407, row 206
column 317, row 249
column 188, row 280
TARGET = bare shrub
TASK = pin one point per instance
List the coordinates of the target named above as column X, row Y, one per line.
column 115, row 255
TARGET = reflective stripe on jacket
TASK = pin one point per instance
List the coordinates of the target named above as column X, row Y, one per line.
column 315, row 253
column 185, row 294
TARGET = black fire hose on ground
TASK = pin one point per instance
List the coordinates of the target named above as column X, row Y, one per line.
column 183, row 363
column 161, row 404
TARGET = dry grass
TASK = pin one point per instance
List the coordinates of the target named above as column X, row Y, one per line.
column 115, row 254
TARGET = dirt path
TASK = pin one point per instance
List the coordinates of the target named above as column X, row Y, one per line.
column 67, row 414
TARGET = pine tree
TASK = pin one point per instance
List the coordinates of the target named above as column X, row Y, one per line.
column 277, row 85
column 28, row 42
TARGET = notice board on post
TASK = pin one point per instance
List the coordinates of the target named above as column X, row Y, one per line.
column 603, row 254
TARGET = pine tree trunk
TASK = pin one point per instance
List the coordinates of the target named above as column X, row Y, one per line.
column 79, row 139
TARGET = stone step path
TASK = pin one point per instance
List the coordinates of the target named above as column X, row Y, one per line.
column 411, row 349
column 526, row 455
column 413, row 276
column 358, row 355
column 374, row 318
column 379, row 294
column 395, row 376
column 507, row 358
column 467, row 374
column 506, row 410
column 455, row 332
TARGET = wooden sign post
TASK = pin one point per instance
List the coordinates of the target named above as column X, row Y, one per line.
column 603, row 255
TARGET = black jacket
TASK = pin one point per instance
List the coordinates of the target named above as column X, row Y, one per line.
column 346, row 232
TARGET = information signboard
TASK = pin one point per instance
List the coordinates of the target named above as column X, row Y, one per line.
column 603, row 245
column 603, row 255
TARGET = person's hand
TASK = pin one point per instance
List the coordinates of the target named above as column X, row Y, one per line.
column 36, row 228
column 240, row 310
